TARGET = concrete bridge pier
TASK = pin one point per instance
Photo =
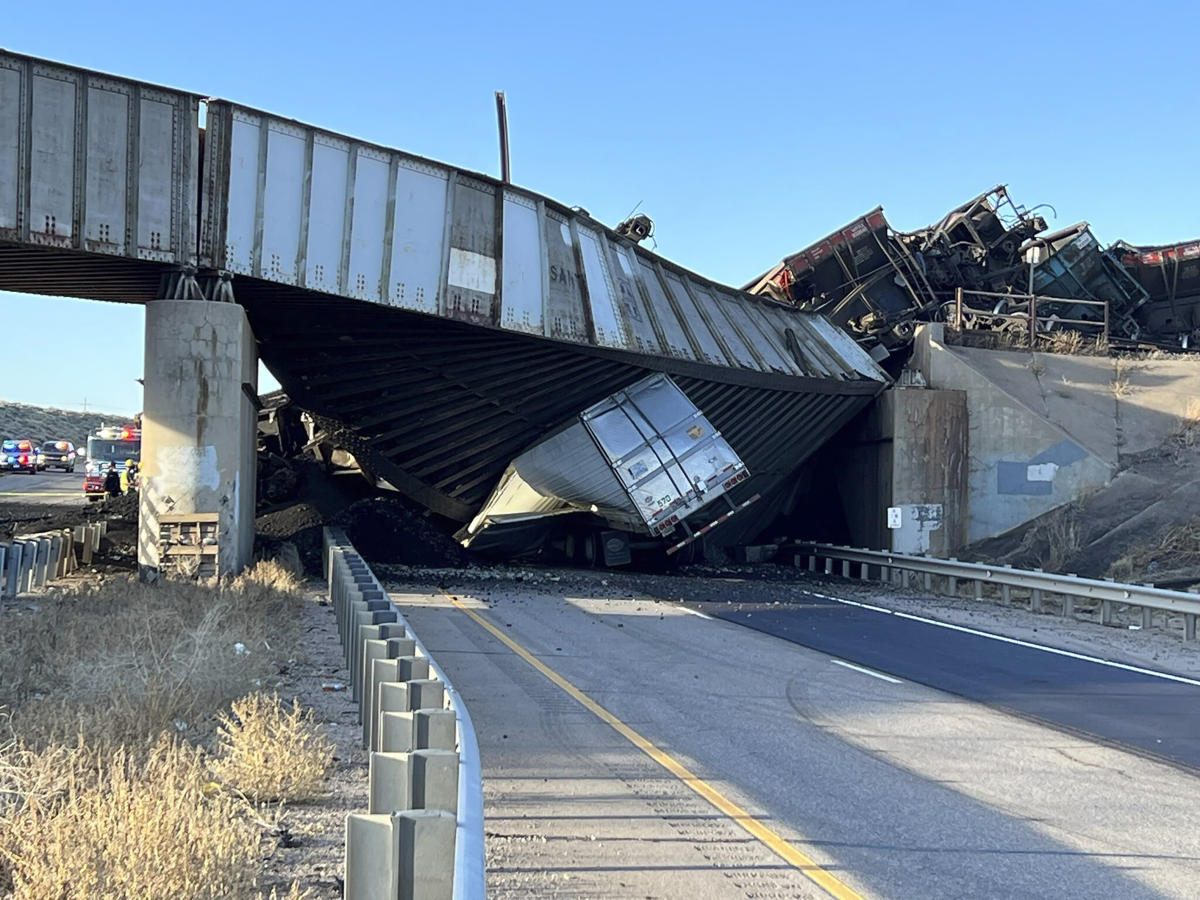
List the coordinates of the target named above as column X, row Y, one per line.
column 198, row 469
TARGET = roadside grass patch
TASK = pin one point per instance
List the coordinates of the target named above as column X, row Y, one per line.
column 113, row 698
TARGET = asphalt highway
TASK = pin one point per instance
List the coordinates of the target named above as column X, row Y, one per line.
column 641, row 748
column 49, row 488
column 1148, row 712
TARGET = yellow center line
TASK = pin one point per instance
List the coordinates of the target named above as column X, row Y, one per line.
column 761, row 832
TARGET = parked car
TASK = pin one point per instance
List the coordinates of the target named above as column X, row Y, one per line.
column 19, row 456
column 58, row 455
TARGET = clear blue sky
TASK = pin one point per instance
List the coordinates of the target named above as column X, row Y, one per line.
column 745, row 130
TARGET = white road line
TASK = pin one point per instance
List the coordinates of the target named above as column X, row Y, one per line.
column 865, row 671
column 1167, row 676
column 696, row 612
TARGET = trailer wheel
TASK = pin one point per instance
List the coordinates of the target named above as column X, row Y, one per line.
column 591, row 549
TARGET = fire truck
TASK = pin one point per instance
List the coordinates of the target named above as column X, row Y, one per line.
column 110, row 445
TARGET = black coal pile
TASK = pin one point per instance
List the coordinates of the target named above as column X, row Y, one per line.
column 298, row 496
column 391, row 530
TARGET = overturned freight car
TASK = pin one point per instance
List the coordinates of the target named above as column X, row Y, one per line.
column 987, row 263
column 1169, row 275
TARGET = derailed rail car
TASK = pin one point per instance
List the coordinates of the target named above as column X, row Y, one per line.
column 877, row 282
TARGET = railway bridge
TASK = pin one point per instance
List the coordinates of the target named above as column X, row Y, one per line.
column 447, row 319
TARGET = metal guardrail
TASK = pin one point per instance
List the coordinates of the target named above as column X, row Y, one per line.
column 29, row 561
column 1037, row 582
column 423, row 832
column 1018, row 313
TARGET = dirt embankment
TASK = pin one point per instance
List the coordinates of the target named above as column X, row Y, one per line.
column 1144, row 527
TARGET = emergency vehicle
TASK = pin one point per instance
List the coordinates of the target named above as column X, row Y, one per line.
column 110, row 444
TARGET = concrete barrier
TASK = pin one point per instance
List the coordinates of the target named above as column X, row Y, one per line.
column 422, row 835
column 31, row 561
column 407, row 855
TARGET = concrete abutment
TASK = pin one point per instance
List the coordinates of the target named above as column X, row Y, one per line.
column 198, row 467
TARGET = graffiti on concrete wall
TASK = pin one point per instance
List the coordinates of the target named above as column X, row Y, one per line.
column 1035, row 477
column 917, row 521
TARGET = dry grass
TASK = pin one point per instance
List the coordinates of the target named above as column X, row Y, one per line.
column 1120, row 383
column 1178, row 547
column 118, row 826
column 1072, row 343
column 107, row 696
column 1053, row 539
column 1186, row 434
column 123, row 662
column 271, row 752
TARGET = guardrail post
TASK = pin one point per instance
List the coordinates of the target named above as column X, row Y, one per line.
column 845, row 568
column 1106, row 612
column 385, row 641
column 928, row 581
column 421, row 729
column 362, row 619
column 885, row 574
column 904, row 575
column 435, row 779
column 417, row 779
column 25, row 577
column 978, row 589
column 69, row 563
column 1189, row 626
column 864, row 572
column 85, row 543
column 951, row 585
column 434, row 729
column 41, row 561
column 1147, row 617
column 405, row 855
column 387, row 671
column 829, row 565
column 352, row 622
column 406, row 696
column 812, row 562
column 53, row 556
column 1068, row 604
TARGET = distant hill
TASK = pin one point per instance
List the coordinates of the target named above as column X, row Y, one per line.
column 39, row 423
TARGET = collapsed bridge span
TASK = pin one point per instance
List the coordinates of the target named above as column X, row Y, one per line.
column 448, row 321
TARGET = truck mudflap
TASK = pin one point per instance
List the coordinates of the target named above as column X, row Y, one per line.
column 675, row 548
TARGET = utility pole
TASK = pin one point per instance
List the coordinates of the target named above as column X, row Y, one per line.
column 502, row 120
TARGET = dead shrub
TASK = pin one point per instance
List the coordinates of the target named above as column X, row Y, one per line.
column 271, row 752
column 1120, row 385
column 1177, row 547
column 1186, row 433
column 80, row 825
column 1070, row 343
column 1053, row 539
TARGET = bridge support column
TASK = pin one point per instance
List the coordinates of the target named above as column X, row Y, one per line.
column 198, row 439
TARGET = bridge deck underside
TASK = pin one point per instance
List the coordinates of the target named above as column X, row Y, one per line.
column 439, row 408
column 29, row 269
